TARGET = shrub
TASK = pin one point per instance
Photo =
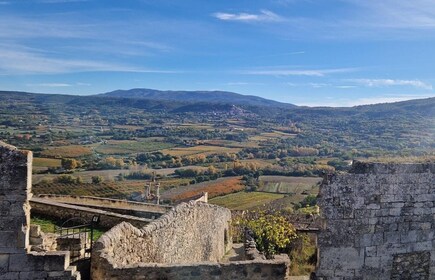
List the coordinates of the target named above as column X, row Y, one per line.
column 97, row 179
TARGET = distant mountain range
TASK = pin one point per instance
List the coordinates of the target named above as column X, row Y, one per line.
column 221, row 97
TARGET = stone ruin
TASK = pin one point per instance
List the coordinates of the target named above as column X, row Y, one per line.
column 189, row 242
column 379, row 223
column 16, row 259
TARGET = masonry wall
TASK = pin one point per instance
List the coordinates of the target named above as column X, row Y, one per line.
column 239, row 270
column 139, row 209
column 64, row 211
column 16, row 262
column 191, row 232
column 186, row 243
column 379, row 223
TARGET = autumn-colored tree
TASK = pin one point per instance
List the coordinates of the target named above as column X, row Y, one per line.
column 70, row 163
column 272, row 232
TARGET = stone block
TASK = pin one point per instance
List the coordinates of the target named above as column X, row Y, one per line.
column 10, row 276
column 8, row 239
column 371, row 251
column 22, row 263
column 35, row 231
column 31, row 275
column 421, row 246
column 408, row 236
column 4, row 263
column 372, row 262
column 56, row 261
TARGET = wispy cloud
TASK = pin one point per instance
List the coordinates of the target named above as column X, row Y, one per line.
column 242, row 84
column 320, row 85
column 397, row 13
column 264, row 15
column 391, row 82
column 348, row 102
column 57, row 85
column 52, row 85
column 60, row 1
column 299, row 72
column 25, row 61
column 13, row 27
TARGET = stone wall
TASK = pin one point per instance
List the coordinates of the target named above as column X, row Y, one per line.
column 139, row 209
column 239, row 270
column 16, row 260
column 186, row 243
column 191, row 232
column 379, row 223
column 64, row 211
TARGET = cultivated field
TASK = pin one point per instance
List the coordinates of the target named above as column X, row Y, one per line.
column 113, row 173
column 231, row 144
column 245, row 200
column 272, row 135
column 201, row 149
column 71, row 151
column 287, row 185
column 214, row 188
column 46, row 162
column 123, row 147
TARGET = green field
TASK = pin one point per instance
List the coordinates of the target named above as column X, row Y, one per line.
column 287, row 184
column 123, row 147
column 245, row 200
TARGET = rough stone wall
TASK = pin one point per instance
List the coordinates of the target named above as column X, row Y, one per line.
column 16, row 262
column 65, row 211
column 240, row 270
column 379, row 223
column 109, row 204
column 191, row 232
column 186, row 243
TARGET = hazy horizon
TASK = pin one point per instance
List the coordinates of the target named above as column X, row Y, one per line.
column 93, row 94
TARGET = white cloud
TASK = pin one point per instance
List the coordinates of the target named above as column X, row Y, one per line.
column 264, row 15
column 391, row 82
column 299, row 72
column 49, row 85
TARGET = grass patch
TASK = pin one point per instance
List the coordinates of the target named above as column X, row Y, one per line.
column 49, row 226
column 245, row 200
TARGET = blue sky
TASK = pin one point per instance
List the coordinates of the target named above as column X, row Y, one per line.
column 306, row 52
